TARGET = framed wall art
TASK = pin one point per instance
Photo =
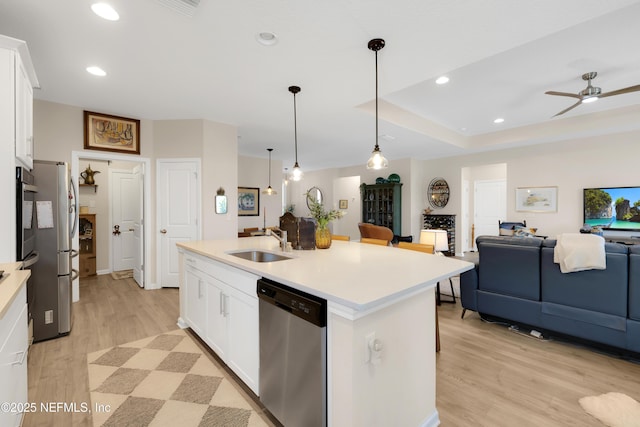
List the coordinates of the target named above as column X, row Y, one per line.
column 344, row 204
column 248, row 201
column 537, row 199
column 111, row 133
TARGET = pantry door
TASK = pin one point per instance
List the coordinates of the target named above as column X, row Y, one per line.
column 178, row 199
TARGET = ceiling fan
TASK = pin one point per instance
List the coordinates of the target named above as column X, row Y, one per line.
column 590, row 93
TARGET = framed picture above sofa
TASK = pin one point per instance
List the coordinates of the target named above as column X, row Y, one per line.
column 537, row 199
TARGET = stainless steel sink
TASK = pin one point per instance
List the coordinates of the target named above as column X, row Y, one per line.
column 259, row 256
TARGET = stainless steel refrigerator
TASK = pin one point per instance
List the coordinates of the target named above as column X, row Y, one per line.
column 52, row 275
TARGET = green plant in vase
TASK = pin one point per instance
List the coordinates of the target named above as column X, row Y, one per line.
column 323, row 218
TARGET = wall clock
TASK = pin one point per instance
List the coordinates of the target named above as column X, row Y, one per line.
column 438, row 193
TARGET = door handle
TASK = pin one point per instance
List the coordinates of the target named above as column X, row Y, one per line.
column 163, row 231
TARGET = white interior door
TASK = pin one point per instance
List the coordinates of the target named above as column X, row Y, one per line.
column 138, row 228
column 490, row 206
column 178, row 213
column 125, row 212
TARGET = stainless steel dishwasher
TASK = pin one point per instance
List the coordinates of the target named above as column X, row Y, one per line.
column 293, row 355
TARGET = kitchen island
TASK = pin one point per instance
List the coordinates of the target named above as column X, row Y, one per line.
column 371, row 291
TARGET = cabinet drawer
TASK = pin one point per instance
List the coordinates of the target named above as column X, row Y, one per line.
column 232, row 276
column 11, row 316
column 14, row 349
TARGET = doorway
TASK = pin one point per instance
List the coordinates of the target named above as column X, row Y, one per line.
column 141, row 200
column 178, row 187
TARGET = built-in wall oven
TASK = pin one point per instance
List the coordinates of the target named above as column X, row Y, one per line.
column 26, row 252
column 25, row 204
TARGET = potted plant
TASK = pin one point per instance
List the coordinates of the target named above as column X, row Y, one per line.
column 322, row 217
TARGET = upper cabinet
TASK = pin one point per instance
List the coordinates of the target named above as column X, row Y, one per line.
column 16, row 64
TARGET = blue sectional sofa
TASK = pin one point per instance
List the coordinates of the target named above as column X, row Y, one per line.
column 516, row 279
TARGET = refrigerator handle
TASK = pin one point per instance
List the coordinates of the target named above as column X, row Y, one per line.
column 74, row 209
column 31, row 259
column 74, row 274
column 74, row 253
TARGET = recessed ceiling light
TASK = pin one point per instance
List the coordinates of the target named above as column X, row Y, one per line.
column 498, row 120
column 267, row 38
column 105, row 11
column 442, row 80
column 96, row 71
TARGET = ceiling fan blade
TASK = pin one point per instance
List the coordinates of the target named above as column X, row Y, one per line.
column 572, row 95
column 629, row 89
column 570, row 108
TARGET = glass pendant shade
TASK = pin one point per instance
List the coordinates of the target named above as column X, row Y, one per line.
column 296, row 172
column 269, row 191
column 377, row 160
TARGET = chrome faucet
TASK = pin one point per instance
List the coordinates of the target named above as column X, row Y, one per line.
column 282, row 238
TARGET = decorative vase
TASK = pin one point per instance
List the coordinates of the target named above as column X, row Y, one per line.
column 323, row 238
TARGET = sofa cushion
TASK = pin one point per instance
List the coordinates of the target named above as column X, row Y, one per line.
column 597, row 290
column 510, row 266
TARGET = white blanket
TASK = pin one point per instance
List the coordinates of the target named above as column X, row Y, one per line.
column 578, row 252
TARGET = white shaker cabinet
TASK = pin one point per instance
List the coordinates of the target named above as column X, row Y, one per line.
column 19, row 74
column 221, row 306
column 14, row 343
column 195, row 297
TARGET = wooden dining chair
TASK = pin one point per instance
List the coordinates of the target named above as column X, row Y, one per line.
column 416, row 247
column 340, row 237
column 421, row 247
column 373, row 241
column 375, row 232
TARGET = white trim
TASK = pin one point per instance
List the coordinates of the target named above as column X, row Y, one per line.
column 75, row 172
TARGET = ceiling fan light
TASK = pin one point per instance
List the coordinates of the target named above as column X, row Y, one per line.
column 589, row 99
column 377, row 161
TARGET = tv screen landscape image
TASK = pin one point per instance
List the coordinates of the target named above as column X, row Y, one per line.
column 614, row 208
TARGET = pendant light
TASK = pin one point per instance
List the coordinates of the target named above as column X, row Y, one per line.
column 377, row 160
column 269, row 191
column 296, row 172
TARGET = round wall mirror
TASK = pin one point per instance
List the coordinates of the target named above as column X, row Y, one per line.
column 314, row 193
column 438, row 193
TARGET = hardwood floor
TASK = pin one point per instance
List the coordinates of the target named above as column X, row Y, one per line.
column 110, row 312
column 486, row 374
column 490, row 376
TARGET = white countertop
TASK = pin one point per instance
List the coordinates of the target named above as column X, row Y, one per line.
column 11, row 282
column 357, row 275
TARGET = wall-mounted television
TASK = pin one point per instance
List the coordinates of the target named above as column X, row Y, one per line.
column 612, row 208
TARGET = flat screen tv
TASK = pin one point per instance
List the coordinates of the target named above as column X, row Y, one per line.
column 612, row 208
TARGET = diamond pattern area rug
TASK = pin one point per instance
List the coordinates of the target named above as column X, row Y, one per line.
column 164, row 380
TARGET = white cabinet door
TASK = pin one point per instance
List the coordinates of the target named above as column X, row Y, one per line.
column 229, row 316
column 24, row 116
column 196, row 301
column 244, row 339
column 216, row 333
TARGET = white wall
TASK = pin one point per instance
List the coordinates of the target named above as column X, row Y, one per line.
column 58, row 130
column 604, row 160
column 254, row 172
